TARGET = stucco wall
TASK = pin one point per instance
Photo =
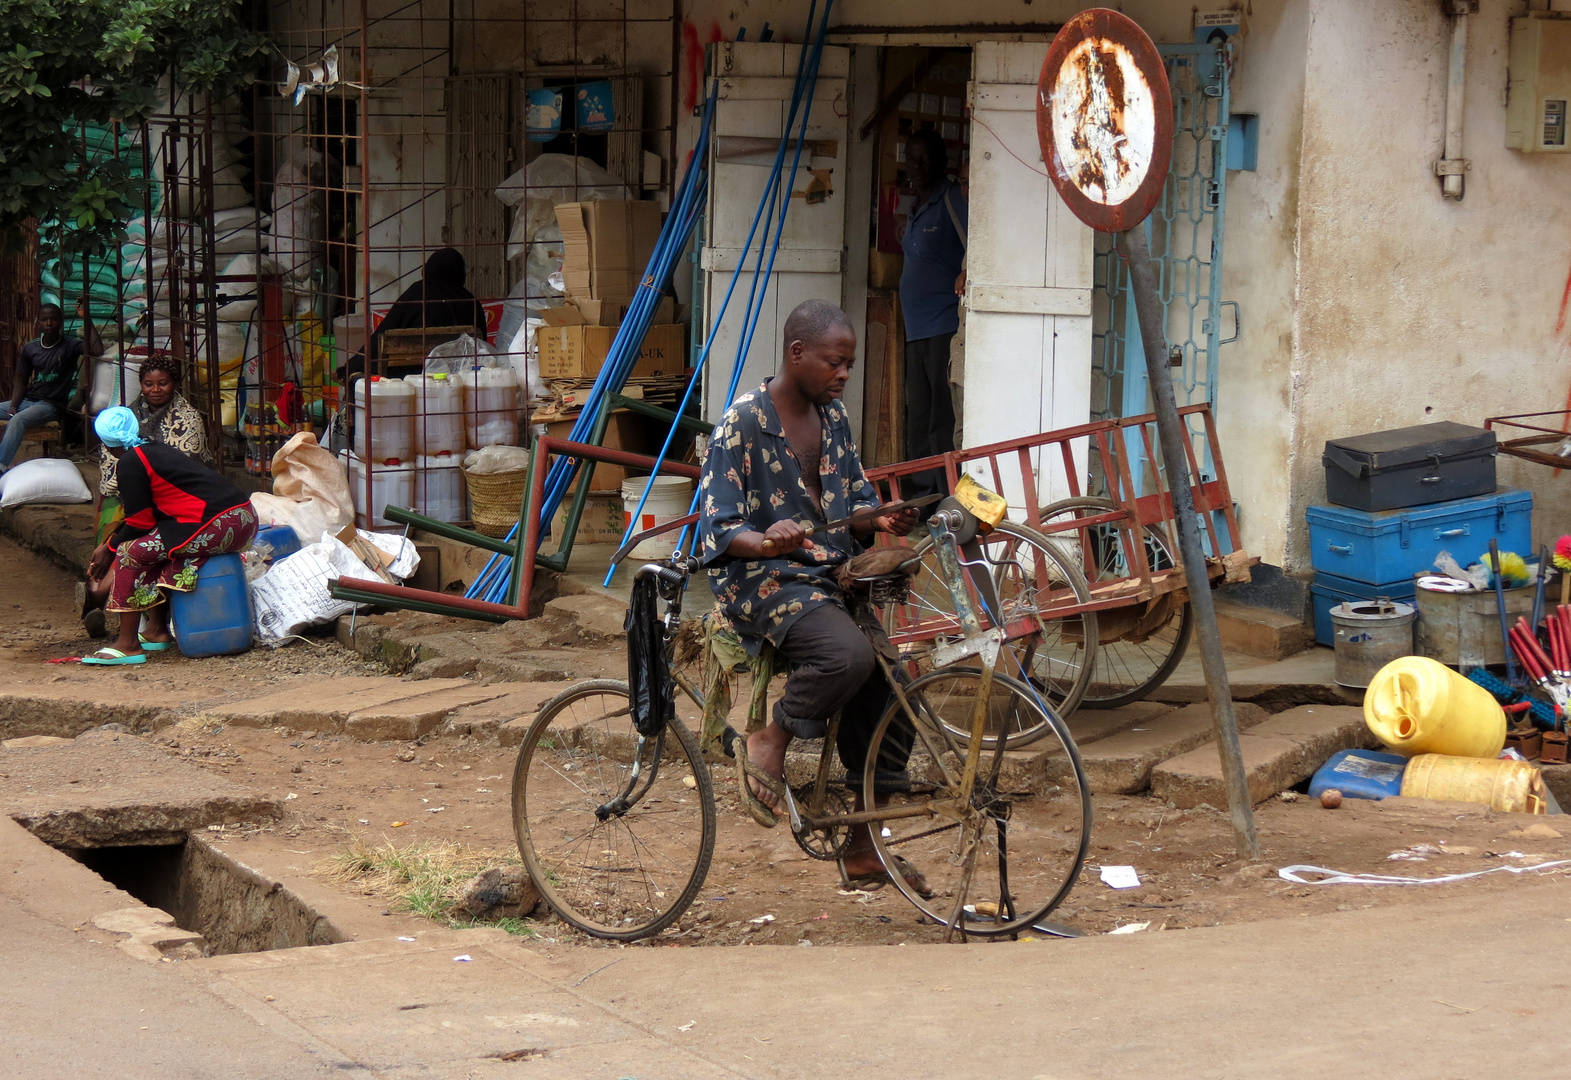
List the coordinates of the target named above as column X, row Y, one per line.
column 1259, row 271
column 1412, row 308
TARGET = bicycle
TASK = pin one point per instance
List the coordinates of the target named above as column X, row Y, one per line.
column 616, row 827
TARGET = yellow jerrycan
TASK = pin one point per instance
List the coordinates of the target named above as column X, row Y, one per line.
column 1415, row 705
column 1515, row 787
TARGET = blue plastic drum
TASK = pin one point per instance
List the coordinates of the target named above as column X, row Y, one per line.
column 214, row 619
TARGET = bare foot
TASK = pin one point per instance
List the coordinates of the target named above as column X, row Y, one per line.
column 766, row 748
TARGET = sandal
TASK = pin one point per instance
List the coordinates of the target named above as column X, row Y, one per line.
column 153, row 646
column 750, row 802
column 114, row 657
column 879, row 878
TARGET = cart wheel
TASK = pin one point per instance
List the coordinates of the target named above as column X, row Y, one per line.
column 1129, row 668
column 1032, row 578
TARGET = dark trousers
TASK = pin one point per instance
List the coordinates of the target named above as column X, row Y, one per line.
column 930, row 410
column 835, row 668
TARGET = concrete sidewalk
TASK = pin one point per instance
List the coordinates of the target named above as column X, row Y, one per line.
column 1463, row 991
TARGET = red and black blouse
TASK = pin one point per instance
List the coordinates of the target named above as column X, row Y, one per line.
column 161, row 488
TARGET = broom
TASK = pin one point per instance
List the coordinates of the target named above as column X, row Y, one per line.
column 1563, row 564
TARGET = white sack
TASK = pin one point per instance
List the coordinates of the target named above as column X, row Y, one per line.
column 43, row 480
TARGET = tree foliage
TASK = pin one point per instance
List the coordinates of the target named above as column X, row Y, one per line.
column 69, row 62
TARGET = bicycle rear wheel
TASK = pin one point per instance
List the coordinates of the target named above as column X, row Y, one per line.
column 1031, row 577
column 1027, row 829
column 616, row 830
column 1129, row 667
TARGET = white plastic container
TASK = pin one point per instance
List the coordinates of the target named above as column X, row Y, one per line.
column 392, row 426
column 439, row 487
column 391, row 485
column 439, row 414
column 669, row 498
column 490, row 406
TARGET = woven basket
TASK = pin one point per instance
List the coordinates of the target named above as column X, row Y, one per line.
column 495, row 499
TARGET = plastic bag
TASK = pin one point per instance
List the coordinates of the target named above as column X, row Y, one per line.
column 310, row 490
column 496, row 459
column 463, row 353
column 542, row 184
column 293, row 594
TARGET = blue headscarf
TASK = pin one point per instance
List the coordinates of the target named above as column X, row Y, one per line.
column 118, row 427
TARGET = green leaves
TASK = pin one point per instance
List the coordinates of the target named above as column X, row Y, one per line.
column 70, row 62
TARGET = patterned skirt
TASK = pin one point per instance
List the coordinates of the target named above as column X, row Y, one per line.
column 143, row 566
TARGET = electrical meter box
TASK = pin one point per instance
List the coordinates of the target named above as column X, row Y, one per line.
column 1540, row 87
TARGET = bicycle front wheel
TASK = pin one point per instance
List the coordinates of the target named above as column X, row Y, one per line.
column 1015, row 848
column 1031, row 577
column 616, row 830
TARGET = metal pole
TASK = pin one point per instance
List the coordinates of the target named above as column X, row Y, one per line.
column 1148, row 305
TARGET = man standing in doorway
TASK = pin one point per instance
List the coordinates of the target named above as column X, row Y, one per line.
column 930, row 286
column 45, row 381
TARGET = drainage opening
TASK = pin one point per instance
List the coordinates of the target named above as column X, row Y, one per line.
column 232, row 906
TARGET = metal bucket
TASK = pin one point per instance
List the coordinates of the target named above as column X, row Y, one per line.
column 1369, row 635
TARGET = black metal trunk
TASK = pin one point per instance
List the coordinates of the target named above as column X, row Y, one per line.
column 1430, row 463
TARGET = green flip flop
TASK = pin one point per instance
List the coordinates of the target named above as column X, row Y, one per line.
column 153, row 646
column 114, row 657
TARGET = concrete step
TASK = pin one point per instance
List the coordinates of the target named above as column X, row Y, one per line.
column 1092, row 725
column 1278, row 753
column 1260, row 632
column 370, row 708
column 1121, row 764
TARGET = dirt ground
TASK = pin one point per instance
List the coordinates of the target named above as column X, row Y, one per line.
column 41, row 624
column 341, row 792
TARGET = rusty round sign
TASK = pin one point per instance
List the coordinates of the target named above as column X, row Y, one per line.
column 1104, row 118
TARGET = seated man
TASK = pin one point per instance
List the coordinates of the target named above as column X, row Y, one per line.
column 783, row 456
column 45, row 385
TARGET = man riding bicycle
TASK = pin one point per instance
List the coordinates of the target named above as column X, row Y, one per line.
column 783, row 457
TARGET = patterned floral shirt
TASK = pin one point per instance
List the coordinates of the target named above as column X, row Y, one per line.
column 751, row 480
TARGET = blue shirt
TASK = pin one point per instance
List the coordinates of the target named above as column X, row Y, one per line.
column 750, row 480
column 934, row 256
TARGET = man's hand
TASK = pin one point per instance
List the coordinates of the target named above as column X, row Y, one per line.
column 784, row 536
column 900, row 523
column 960, row 283
column 101, row 558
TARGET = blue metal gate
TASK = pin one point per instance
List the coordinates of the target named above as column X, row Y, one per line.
column 1185, row 233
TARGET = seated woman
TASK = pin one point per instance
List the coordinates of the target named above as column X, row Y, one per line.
column 179, row 513
column 439, row 298
column 164, row 416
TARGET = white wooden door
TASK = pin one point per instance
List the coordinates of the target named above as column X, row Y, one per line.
column 1028, row 278
column 754, row 102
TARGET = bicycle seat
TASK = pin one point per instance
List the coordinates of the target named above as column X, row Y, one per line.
column 882, row 564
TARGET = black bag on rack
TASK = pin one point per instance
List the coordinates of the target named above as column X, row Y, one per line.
column 651, row 690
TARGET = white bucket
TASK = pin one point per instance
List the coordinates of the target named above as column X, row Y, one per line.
column 390, row 485
column 392, row 425
column 439, row 487
column 490, row 406
column 669, row 498
column 439, row 414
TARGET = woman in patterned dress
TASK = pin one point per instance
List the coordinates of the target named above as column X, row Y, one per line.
column 179, row 513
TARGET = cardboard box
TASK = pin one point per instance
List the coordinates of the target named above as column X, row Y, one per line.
column 601, row 313
column 623, row 431
column 579, row 352
column 603, row 520
column 606, row 246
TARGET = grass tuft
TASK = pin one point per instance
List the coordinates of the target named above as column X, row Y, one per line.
column 424, row 878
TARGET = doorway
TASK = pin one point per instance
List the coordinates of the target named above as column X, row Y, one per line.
column 919, row 88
